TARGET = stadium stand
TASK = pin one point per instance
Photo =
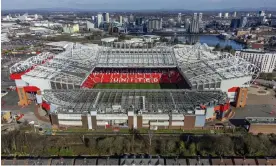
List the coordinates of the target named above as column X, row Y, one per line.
column 121, row 75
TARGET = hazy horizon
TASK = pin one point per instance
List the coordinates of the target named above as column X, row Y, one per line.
column 137, row 4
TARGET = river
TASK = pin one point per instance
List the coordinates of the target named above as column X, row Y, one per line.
column 210, row 40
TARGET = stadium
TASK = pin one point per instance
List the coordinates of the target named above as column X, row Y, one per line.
column 134, row 85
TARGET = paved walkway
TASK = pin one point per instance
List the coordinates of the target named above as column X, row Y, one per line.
column 39, row 115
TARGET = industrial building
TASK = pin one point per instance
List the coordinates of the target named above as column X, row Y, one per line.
column 66, row 85
column 71, row 28
column 266, row 61
column 265, row 125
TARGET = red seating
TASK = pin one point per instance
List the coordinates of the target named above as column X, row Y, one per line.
column 101, row 75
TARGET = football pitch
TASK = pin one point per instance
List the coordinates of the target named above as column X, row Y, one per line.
column 135, row 86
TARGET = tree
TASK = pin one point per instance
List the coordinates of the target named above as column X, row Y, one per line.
column 182, row 148
column 192, row 149
column 104, row 145
column 117, row 145
column 122, row 37
column 269, row 76
column 228, row 48
column 223, row 145
column 239, row 146
column 252, row 145
column 163, row 149
column 163, row 39
column 170, row 146
column 217, row 47
column 175, row 41
column 150, row 135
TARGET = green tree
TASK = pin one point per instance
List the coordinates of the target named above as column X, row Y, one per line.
column 217, row 47
column 228, row 48
column 170, row 146
column 182, row 148
column 122, row 37
column 269, row 76
column 105, row 145
column 163, row 39
column 239, row 146
column 117, row 145
column 252, row 145
column 223, row 145
column 163, row 149
column 192, row 149
column 175, row 41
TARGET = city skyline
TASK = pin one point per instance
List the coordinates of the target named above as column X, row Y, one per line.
column 139, row 5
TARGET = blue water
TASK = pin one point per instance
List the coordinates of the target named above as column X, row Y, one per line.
column 213, row 41
column 210, row 40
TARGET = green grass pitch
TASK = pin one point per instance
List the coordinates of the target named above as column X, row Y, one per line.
column 135, row 86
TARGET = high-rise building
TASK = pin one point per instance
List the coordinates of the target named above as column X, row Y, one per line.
column 154, row 24
column 99, row 19
column 125, row 19
column 139, row 21
column 262, row 19
column 243, row 21
column 187, row 24
column 89, row 25
column 35, row 16
column 261, row 13
column 131, row 18
column 238, row 23
column 235, row 23
column 220, row 15
column 269, row 15
column 247, row 15
column 199, row 21
column 226, row 15
column 106, row 17
column 179, row 19
column 196, row 23
column 235, row 14
column 193, row 23
column 121, row 19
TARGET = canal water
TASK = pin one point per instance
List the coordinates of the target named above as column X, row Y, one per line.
column 210, row 40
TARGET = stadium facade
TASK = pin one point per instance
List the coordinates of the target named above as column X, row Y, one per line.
column 205, row 83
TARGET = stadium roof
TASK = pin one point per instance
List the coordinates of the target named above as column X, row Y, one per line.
column 130, row 55
column 199, row 64
column 121, row 100
column 202, row 65
column 70, row 66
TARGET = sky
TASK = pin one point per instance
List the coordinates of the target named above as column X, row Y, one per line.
column 137, row 4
